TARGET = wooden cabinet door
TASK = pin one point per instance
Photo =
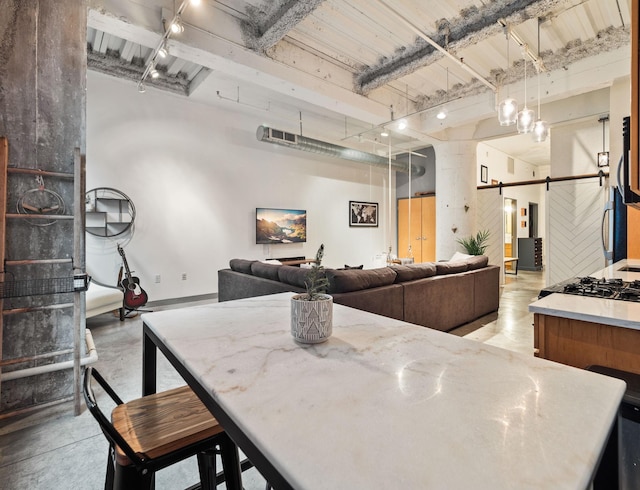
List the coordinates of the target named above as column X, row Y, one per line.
column 428, row 228
column 415, row 237
column 423, row 228
column 633, row 233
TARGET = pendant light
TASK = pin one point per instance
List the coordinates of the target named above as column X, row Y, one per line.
column 442, row 113
column 525, row 118
column 603, row 156
column 508, row 108
column 540, row 128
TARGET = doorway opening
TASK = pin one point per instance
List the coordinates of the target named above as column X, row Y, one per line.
column 510, row 231
column 533, row 220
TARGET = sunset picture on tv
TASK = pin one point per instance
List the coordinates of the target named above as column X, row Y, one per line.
column 281, row 225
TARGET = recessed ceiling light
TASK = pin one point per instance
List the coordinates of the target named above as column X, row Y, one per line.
column 402, row 124
column 442, row 114
column 384, row 134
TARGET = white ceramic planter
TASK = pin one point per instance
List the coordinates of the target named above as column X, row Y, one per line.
column 311, row 321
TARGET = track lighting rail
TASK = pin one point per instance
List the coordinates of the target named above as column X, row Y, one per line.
column 174, row 27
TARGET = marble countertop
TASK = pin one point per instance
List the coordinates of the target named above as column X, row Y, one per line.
column 387, row 404
column 597, row 310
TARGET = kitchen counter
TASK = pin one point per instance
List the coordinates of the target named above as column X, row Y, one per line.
column 606, row 311
column 584, row 331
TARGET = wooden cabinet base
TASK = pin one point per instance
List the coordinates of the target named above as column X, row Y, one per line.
column 581, row 344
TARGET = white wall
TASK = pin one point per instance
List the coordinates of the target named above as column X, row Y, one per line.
column 196, row 173
column 497, row 163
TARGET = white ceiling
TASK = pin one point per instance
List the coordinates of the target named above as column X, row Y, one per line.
column 344, row 69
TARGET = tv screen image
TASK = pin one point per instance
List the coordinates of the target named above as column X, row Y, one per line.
column 281, row 225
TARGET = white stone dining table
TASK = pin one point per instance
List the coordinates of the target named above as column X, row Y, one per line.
column 383, row 403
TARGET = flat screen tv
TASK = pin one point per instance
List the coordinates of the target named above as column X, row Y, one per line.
column 281, row 225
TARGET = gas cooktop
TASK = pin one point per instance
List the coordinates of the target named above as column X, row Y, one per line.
column 616, row 289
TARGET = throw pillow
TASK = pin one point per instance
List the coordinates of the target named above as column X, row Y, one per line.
column 459, row 256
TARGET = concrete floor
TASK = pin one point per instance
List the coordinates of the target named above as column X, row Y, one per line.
column 53, row 449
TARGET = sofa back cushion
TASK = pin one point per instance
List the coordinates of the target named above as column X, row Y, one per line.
column 412, row 272
column 451, row 267
column 477, row 262
column 241, row 265
column 267, row 271
column 357, row 279
column 295, row 276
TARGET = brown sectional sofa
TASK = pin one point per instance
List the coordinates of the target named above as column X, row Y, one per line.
column 440, row 295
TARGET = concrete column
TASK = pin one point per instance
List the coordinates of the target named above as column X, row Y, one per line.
column 43, row 64
column 455, row 194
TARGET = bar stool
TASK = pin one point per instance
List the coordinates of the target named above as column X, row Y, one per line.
column 156, row 431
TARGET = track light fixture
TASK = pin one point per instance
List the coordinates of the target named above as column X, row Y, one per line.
column 174, row 27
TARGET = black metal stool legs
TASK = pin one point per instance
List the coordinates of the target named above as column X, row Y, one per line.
column 130, row 478
column 230, row 463
column 207, row 469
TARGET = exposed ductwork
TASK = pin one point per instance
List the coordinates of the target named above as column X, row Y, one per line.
column 276, row 136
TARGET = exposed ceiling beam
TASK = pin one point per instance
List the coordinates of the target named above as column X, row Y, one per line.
column 261, row 35
column 472, row 26
column 118, row 67
column 225, row 53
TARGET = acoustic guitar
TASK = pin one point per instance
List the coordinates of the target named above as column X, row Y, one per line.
column 134, row 295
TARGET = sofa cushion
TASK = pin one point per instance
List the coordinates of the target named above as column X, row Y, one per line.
column 268, row 271
column 356, row 279
column 295, row 276
column 451, row 267
column 241, row 265
column 414, row 271
column 477, row 262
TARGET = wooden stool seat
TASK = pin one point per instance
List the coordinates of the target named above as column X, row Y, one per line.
column 150, row 433
column 156, row 425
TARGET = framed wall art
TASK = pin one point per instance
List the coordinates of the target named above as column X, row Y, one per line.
column 363, row 213
column 484, row 174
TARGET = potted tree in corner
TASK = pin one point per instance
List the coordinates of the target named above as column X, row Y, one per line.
column 312, row 312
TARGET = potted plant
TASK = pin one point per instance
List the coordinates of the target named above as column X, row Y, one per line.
column 312, row 312
column 475, row 245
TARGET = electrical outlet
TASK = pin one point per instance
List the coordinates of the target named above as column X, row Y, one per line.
column 184, row 276
column 158, row 278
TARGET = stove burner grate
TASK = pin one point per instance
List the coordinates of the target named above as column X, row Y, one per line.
column 630, row 293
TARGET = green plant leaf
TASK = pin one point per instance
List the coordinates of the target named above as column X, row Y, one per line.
column 475, row 245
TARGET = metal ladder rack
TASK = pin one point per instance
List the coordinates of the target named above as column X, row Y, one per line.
column 18, row 285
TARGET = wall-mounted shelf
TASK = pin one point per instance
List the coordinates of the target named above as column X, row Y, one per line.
column 109, row 212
